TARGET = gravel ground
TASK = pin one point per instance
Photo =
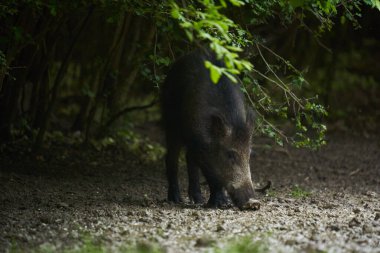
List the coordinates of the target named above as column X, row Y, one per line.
column 326, row 200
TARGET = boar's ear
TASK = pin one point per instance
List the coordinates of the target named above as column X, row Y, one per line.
column 250, row 119
column 219, row 128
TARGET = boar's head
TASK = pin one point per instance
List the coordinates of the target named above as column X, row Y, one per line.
column 228, row 155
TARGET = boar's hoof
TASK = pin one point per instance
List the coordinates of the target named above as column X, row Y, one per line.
column 251, row 204
column 174, row 197
column 219, row 204
column 197, row 199
column 219, row 200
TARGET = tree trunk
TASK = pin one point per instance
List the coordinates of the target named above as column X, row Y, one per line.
column 59, row 78
column 134, row 68
column 105, row 79
column 113, row 75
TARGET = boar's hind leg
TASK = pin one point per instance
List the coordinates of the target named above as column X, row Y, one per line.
column 172, row 155
column 195, row 193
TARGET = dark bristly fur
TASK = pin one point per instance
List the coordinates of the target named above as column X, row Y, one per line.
column 212, row 122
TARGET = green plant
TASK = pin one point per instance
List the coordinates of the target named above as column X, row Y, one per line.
column 45, row 80
column 242, row 245
column 90, row 246
column 271, row 193
column 140, row 145
column 272, row 91
column 298, row 192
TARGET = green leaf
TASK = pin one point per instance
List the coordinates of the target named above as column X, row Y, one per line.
column 175, row 13
column 236, row 2
column 233, row 48
column 231, row 77
column 297, row 3
column 189, row 34
column 215, row 72
column 247, row 65
column 375, row 4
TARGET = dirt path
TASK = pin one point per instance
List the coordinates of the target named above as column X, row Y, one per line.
column 326, row 200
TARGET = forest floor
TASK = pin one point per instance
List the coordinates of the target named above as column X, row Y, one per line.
column 326, row 200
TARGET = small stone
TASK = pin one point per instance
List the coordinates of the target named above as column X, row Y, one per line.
column 334, row 227
column 144, row 220
column 288, row 200
column 272, row 204
column 329, row 206
column 377, row 216
column 196, row 214
column 290, row 213
column 370, row 194
column 220, row 228
column 290, row 242
column 59, row 221
column 45, row 219
column 356, row 210
column 204, row 242
column 353, row 223
column 367, row 229
column 314, row 201
column 145, row 247
column 63, row 205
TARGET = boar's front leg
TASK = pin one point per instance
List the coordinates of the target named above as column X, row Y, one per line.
column 195, row 193
column 172, row 156
column 218, row 198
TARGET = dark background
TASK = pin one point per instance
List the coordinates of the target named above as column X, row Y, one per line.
column 80, row 67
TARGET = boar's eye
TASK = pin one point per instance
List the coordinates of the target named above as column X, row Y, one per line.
column 232, row 156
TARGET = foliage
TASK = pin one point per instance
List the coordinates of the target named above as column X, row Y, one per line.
column 221, row 34
column 207, row 22
column 271, row 193
column 126, row 138
column 73, row 65
column 243, row 245
column 90, row 246
column 141, row 146
column 298, row 192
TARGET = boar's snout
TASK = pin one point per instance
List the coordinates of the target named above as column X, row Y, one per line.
column 243, row 196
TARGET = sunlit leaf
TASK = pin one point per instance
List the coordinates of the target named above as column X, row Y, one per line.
column 215, row 72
